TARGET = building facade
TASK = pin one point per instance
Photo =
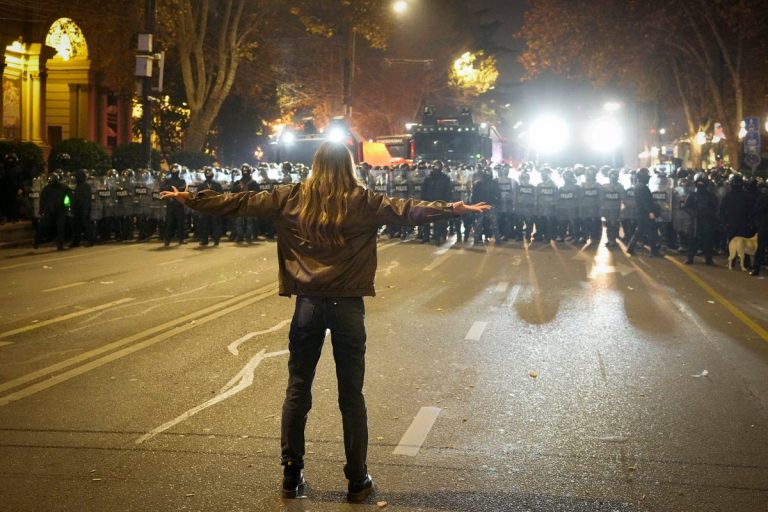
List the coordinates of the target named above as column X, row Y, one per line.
column 51, row 91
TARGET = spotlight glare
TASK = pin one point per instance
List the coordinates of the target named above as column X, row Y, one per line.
column 604, row 135
column 549, row 134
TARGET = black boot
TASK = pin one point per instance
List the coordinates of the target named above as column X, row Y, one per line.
column 293, row 481
column 360, row 490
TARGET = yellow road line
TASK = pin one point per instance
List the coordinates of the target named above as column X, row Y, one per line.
column 79, row 370
column 63, row 317
column 743, row 317
column 130, row 339
column 438, row 261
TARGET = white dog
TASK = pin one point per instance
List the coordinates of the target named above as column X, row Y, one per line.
column 740, row 246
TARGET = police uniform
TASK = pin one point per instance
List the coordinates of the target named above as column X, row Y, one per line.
column 568, row 197
column 505, row 213
column 524, row 206
column 611, row 198
column 589, row 211
column 546, row 202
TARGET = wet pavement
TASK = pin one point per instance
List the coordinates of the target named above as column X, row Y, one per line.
column 499, row 378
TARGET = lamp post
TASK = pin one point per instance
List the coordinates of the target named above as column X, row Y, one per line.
column 400, row 7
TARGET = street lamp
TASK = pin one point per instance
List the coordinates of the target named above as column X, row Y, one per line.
column 400, row 6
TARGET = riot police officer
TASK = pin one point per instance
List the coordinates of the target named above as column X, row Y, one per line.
column 702, row 205
column 460, row 187
column 209, row 226
column 143, row 200
column 81, row 211
column 174, row 211
column 546, row 201
column 736, row 209
column 486, row 190
column 525, row 205
column 437, row 187
column 662, row 195
column 681, row 218
column 647, row 211
column 53, row 210
column 628, row 208
column 266, row 227
column 400, row 189
column 506, row 205
column 611, row 196
column 590, row 226
column 246, row 228
column 568, row 197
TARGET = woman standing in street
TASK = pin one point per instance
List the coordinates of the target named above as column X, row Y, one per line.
column 327, row 229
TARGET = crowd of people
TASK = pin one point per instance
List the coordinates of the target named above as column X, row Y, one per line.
column 689, row 212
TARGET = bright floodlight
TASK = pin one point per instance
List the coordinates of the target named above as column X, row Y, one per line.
column 400, row 7
column 335, row 135
column 548, row 134
column 288, row 137
column 604, row 135
column 611, row 106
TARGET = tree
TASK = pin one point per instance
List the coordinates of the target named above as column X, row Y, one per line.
column 671, row 52
column 474, row 73
column 211, row 41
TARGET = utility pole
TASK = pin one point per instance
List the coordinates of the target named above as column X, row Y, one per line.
column 150, row 23
column 349, row 72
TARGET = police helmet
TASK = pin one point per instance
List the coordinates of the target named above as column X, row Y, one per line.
column 700, row 180
column 405, row 167
column 736, row 180
column 438, row 164
column 11, row 158
column 569, row 176
column 245, row 168
column 287, row 167
column 643, row 175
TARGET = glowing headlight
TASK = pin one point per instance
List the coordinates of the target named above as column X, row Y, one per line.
column 288, row 138
column 336, row 135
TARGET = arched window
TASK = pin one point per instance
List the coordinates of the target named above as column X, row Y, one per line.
column 67, row 39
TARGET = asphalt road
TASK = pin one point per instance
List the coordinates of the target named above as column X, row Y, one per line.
column 503, row 378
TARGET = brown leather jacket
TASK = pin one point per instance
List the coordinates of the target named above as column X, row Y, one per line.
column 346, row 271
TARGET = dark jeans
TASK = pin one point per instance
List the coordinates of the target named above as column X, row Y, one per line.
column 345, row 317
column 174, row 223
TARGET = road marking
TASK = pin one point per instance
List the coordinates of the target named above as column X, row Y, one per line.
column 130, row 339
column 389, row 268
column 743, row 317
column 5, row 343
column 79, row 370
column 438, row 261
column 60, row 258
column 476, row 331
column 233, row 346
column 178, row 260
column 502, row 287
column 71, row 285
column 417, row 433
column 64, row 317
column 238, row 383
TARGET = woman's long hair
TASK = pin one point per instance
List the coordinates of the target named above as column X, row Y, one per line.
column 325, row 194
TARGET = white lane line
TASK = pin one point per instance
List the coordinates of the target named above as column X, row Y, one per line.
column 476, row 331
column 235, row 344
column 389, row 268
column 178, row 260
column 70, row 285
column 63, row 317
column 239, row 382
column 259, row 292
column 417, row 433
column 438, row 261
column 79, row 370
column 5, row 343
column 502, row 287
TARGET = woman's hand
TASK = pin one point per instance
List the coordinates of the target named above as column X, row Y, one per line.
column 180, row 196
column 459, row 208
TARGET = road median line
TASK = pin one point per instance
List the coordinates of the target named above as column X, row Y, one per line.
column 61, row 318
column 743, row 317
column 170, row 326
